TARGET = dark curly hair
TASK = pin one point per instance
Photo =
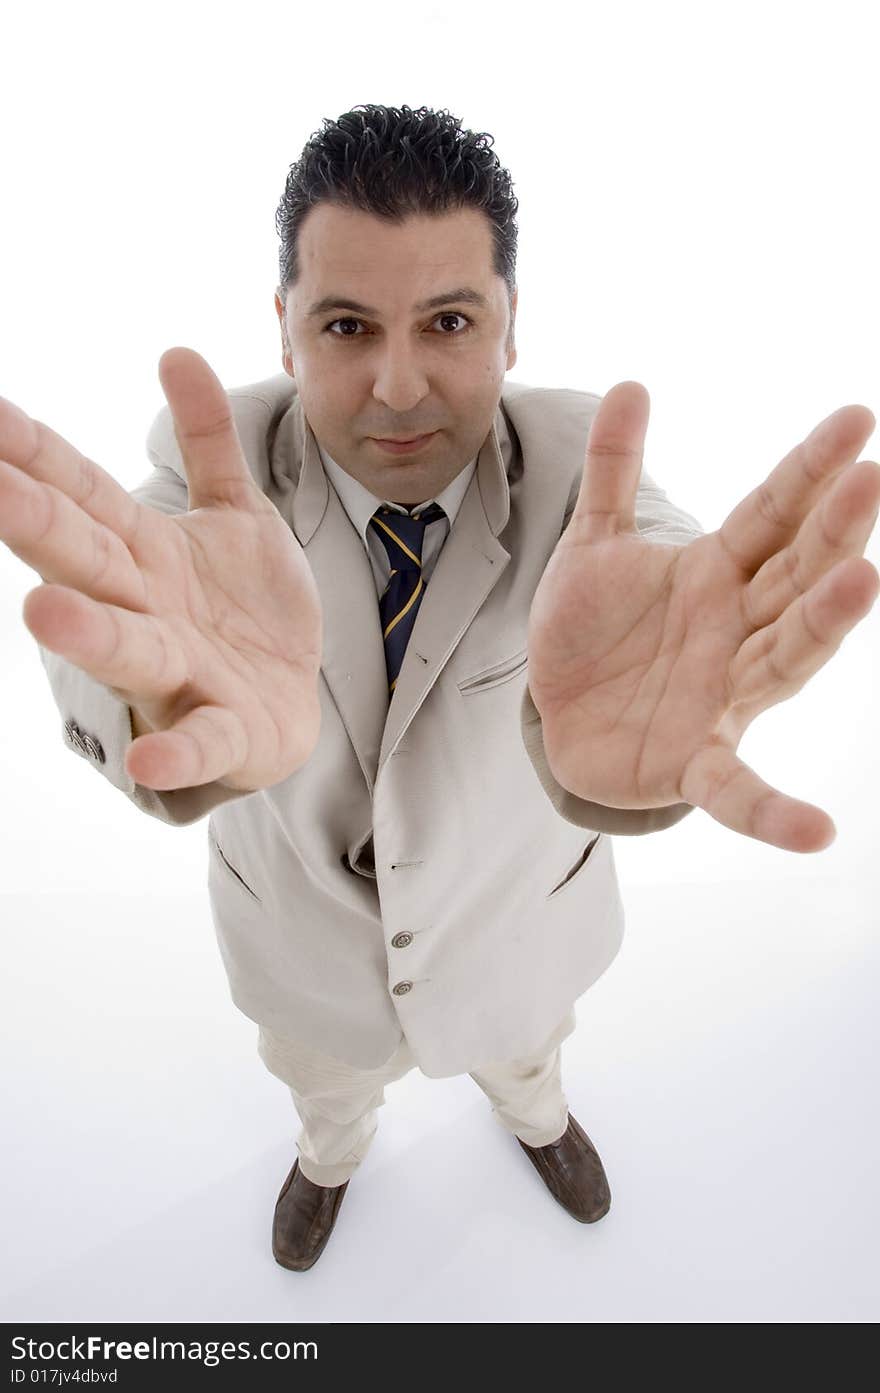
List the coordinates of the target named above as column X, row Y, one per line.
column 394, row 162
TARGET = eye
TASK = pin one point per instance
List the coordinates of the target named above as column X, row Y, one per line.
column 329, row 327
column 454, row 314
column 445, row 314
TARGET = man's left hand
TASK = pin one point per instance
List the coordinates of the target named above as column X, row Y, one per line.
column 648, row 661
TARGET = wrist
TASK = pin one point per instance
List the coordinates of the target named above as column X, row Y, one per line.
column 138, row 725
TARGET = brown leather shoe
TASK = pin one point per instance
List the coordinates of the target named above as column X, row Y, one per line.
column 304, row 1217
column 573, row 1173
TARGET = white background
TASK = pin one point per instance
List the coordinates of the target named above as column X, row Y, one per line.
column 697, row 188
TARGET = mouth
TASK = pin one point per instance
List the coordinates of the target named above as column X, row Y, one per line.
column 403, row 447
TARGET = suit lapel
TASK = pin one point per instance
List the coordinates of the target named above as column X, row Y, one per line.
column 470, row 563
column 468, row 567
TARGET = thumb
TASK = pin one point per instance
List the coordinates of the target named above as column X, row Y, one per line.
column 606, row 501
column 729, row 790
column 215, row 464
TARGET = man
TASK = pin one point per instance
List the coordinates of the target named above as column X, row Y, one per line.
column 419, row 640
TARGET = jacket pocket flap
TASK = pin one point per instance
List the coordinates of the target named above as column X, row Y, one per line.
column 213, row 842
column 497, row 673
column 578, row 865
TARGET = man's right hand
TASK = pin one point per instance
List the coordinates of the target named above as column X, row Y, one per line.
column 207, row 623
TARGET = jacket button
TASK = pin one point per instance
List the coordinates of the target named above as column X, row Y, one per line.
column 402, row 988
column 90, row 746
column 401, row 940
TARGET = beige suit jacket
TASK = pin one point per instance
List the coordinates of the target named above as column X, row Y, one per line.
column 423, row 873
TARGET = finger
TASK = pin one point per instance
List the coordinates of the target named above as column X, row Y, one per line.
column 39, row 452
column 720, row 782
column 64, row 515
column 609, row 484
column 215, row 463
column 838, row 525
column 64, row 544
column 203, row 745
column 775, row 663
column 769, row 517
column 132, row 652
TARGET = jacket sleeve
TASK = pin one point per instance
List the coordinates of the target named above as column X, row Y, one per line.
column 658, row 520
column 97, row 723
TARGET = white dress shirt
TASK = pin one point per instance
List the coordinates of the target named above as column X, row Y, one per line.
column 360, row 505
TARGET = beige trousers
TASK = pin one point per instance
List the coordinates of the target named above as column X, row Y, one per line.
column 338, row 1104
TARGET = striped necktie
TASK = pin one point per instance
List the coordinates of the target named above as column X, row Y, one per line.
column 403, row 535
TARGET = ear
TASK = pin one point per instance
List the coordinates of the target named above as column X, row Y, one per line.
column 511, row 333
column 286, row 355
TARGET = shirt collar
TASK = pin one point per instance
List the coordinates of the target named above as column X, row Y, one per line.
column 360, row 504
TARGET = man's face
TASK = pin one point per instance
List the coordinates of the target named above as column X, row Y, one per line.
column 390, row 368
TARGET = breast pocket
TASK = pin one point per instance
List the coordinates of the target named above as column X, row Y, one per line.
column 493, row 676
column 571, row 875
column 228, row 866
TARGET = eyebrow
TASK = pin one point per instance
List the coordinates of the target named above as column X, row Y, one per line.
column 464, row 295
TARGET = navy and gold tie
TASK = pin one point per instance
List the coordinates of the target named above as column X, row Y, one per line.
column 403, row 535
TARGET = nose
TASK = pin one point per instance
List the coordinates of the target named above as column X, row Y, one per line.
column 400, row 382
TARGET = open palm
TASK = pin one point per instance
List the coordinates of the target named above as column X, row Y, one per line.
column 207, row 622
column 648, row 661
